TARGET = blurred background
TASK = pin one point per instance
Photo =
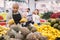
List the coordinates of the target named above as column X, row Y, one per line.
column 46, row 23
column 42, row 5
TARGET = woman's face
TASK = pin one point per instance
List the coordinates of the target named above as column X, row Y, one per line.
column 36, row 11
column 15, row 8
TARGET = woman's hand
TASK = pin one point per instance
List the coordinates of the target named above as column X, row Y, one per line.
column 11, row 21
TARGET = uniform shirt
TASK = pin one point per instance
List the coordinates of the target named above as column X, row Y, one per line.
column 9, row 15
column 17, row 17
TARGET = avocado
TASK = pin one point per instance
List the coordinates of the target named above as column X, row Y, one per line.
column 57, row 20
column 49, row 20
column 53, row 22
column 55, row 25
column 59, row 27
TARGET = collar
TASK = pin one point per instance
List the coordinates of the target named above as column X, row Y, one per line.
column 16, row 13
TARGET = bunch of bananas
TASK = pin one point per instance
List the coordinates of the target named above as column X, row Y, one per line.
column 48, row 31
column 11, row 21
column 23, row 20
column 3, row 30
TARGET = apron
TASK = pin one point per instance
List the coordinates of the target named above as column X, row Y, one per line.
column 17, row 18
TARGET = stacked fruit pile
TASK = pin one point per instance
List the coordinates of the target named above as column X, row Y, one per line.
column 48, row 31
column 11, row 21
column 55, row 15
column 3, row 15
column 3, row 30
column 55, row 23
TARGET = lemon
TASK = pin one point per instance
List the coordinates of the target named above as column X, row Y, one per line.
column 48, row 31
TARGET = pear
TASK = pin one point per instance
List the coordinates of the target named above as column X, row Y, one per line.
column 11, row 33
column 19, row 36
column 31, row 36
column 15, row 28
column 14, row 39
column 2, row 38
column 6, row 37
column 43, row 38
column 59, row 27
column 24, row 31
column 38, row 34
column 33, row 29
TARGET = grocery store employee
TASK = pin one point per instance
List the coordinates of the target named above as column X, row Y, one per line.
column 14, row 14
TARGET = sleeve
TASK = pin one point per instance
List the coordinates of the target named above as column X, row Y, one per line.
column 33, row 18
column 8, row 17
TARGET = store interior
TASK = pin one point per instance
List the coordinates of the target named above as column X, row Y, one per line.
column 43, row 22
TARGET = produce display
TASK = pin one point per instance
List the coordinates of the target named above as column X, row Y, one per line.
column 47, row 10
column 55, row 23
column 48, row 31
column 23, row 33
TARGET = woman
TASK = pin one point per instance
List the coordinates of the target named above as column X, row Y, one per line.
column 36, row 17
column 14, row 14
